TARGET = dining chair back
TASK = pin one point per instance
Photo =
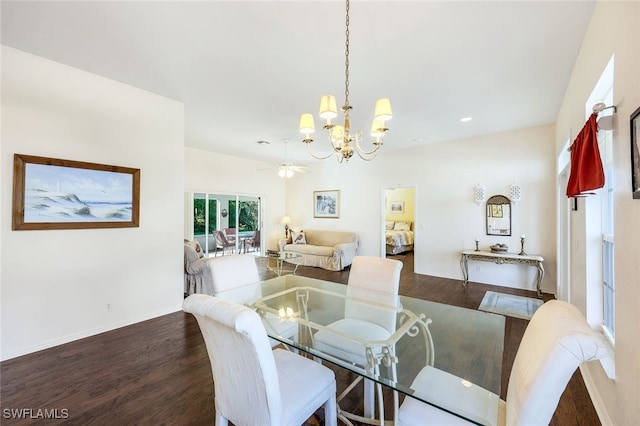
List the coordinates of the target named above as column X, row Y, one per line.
column 236, row 278
column 254, row 385
column 374, row 280
column 556, row 341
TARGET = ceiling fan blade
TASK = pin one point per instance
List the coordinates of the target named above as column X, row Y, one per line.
column 300, row 169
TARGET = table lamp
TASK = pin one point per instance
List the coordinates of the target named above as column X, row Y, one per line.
column 286, row 221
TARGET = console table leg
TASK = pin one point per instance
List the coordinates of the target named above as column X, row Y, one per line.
column 464, row 266
column 540, row 277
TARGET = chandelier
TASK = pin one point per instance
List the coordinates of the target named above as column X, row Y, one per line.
column 343, row 141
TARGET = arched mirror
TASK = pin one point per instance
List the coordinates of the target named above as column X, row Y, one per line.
column 499, row 216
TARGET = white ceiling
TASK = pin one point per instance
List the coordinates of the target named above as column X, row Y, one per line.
column 246, row 70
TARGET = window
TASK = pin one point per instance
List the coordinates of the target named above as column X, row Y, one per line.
column 606, row 201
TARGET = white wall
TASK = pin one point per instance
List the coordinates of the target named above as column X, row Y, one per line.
column 447, row 220
column 213, row 173
column 613, row 30
column 55, row 284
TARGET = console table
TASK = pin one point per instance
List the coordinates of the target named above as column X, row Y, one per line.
column 500, row 258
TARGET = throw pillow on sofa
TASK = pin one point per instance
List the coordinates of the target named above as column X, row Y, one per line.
column 196, row 246
column 298, row 237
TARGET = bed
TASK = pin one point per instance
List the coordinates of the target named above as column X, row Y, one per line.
column 398, row 237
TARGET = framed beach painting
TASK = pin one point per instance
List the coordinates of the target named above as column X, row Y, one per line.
column 51, row 193
column 326, row 204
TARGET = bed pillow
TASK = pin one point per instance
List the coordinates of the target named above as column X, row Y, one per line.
column 389, row 225
column 298, row 237
column 402, row 226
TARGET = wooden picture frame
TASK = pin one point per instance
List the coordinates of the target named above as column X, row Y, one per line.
column 326, row 204
column 396, row 207
column 635, row 154
column 51, row 193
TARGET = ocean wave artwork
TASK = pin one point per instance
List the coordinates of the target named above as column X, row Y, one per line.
column 69, row 194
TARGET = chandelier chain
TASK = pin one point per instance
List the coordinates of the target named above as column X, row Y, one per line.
column 346, row 58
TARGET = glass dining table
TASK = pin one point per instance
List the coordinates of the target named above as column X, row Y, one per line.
column 463, row 344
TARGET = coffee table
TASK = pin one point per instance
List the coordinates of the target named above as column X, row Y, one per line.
column 280, row 257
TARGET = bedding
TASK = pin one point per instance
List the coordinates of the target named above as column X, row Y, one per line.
column 399, row 239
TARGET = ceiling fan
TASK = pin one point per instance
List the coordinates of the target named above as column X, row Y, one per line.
column 287, row 169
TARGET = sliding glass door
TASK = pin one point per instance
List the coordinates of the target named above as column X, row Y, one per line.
column 237, row 216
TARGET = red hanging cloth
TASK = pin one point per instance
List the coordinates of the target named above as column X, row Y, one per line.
column 587, row 173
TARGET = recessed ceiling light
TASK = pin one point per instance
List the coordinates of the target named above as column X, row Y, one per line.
column 465, row 119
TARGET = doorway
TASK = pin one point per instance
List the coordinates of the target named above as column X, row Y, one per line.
column 398, row 236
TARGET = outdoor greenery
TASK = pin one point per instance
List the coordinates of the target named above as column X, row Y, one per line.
column 199, row 215
column 247, row 219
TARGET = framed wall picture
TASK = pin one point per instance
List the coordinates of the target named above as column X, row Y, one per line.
column 51, row 193
column 635, row 153
column 326, row 204
column 397, row 207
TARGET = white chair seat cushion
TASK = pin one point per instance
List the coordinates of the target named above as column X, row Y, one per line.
column 345, row 348
column 448, row 392
column 300, row 380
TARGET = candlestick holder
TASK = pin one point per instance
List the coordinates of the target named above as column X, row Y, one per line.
column 522, row 253
column 477, row 249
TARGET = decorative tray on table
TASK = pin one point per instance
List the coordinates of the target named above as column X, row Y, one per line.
column 499, row 248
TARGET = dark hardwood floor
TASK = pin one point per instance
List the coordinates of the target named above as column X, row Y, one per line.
column 157, row 372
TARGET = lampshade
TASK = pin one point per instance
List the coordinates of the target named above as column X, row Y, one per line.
column 383, row 109
column 306, row 123
column 377, row 128
column 328, row 107
column 337, row 133
column 286, row 220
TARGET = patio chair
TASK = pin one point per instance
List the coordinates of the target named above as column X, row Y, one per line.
column 223, row 243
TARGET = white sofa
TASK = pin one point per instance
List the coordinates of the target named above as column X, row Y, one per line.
column 331, row 250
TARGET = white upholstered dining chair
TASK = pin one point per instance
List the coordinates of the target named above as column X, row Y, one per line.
column 254, row 385
column 556, row 341
column 373, row 280
column 236, row 278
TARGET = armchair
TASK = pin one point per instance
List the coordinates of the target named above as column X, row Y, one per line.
column 197, row 275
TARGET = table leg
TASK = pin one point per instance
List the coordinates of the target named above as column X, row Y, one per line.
column 540, row 277
column 464, row 266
